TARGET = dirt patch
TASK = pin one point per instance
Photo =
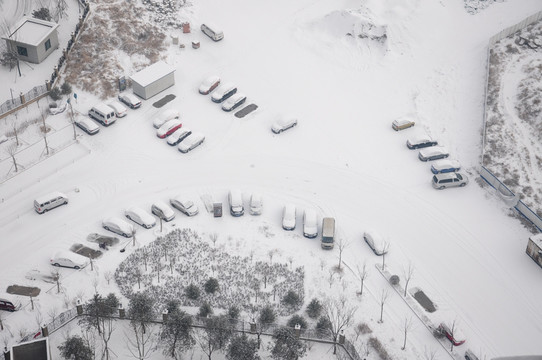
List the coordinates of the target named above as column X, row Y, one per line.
column 163, row 101
column 103, row 239
column 85, row 251
column 424, row 301
column 93, row 63
column 23, row 290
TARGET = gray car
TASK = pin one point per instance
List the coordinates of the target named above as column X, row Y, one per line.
column 450, row 179
column 433, row 153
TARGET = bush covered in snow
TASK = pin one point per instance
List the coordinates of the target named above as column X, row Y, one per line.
column 182, row 259
column 474, row 6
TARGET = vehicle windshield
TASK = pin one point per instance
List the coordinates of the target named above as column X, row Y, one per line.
column 327, row 240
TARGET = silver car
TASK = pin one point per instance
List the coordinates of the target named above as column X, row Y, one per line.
column 433, row 153
column 140, row 217
column 184, row 205
column 449, row 179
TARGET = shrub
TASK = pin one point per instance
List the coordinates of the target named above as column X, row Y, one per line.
column 363, row 328
column 291, row 299
column 211, row 286
column 233, row 312
column 192, row 292
column 205, row 310
column 394, row 280
column 55, row 94
column 42, row 14
column 314, row 309
column 323, row 324
column 297, row 319
column 65, row 89
column 267, row 315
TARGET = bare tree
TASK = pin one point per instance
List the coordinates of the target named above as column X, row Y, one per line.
column 12, row 150
column 60, row 9
column 290, row 260
column 72, row 120
column 39, row 319
column 407, row 325
column 331, row 278
column 385, row 248
column 342, row 244
column 214, row 238
column 157, row 267
column 108, row 275
column 144, row 343
column 408, row 272
column 134, row 231
column 382, row 302
column 52, row 313
column 44, row 132
column 271, row 253
column 145, row 257
column 340, row 315
column 12, row 53
column 15, row 130
column 362, row 273
column 430, row 354
column 138, row 275
column 107, row 326
column 323, row 264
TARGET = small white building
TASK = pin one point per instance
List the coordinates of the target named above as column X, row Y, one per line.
column 534, row 248
column 33, row 39
column 153, row 79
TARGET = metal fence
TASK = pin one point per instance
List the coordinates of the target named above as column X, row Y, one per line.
column 510, row 198
column 515, row 28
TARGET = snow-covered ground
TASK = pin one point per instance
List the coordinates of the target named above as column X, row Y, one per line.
column 343, row 159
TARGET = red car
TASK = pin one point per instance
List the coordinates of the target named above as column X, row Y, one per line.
column 456, row 337
column 168, row 128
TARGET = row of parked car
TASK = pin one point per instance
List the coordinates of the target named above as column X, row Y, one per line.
column 168, row 125
column 145, row 219
column 446, row 171
column 225, row 93
column 107, row 113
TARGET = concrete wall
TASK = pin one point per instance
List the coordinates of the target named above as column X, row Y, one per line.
column 154, row 87
column 41, row 52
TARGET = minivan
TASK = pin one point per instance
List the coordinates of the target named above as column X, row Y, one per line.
column 8, row 305
column 49, row 201
column 212, row 31
column 328, row 233
column 236, row 203
column 103, row 114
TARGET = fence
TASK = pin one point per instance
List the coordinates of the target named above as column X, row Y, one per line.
column 344, row 350
column 506, row 194
column 510, row 198
column 23, row 100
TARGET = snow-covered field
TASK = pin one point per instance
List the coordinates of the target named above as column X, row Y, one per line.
column 343, row 159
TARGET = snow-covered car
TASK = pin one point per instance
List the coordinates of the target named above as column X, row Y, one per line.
column 118, row 108
column 87, row 125
column 235, row 199
column 234, row 102
column 402, row 123
column 310, row 223
column 455, row 336
column 9, row 305
column 184, row 205
column 191, row 142
column 223, row 91
column 283, row 124
column 420, row 141
column 376, row 242
column 140, row 217
column 118, row 226
column 169, row 128
column 288, row 217
column 209, row 85
column 256, row 204
column 449, row 179
column 178, row 136
column 131, row 100
column 69, row 259
column 163, row 211
column 445, row 165
column 165, row 116
column 433, row 153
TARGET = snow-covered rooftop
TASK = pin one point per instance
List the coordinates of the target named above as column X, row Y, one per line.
column 152, row 73
column 32, row 31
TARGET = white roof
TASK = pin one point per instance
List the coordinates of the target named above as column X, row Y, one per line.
column 152, row 73
column 32, row 31
column 50, row 196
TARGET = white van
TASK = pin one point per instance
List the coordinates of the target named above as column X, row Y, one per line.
column 236, row 203
column 49, row 201
column 103, row 113
column 212, row 31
